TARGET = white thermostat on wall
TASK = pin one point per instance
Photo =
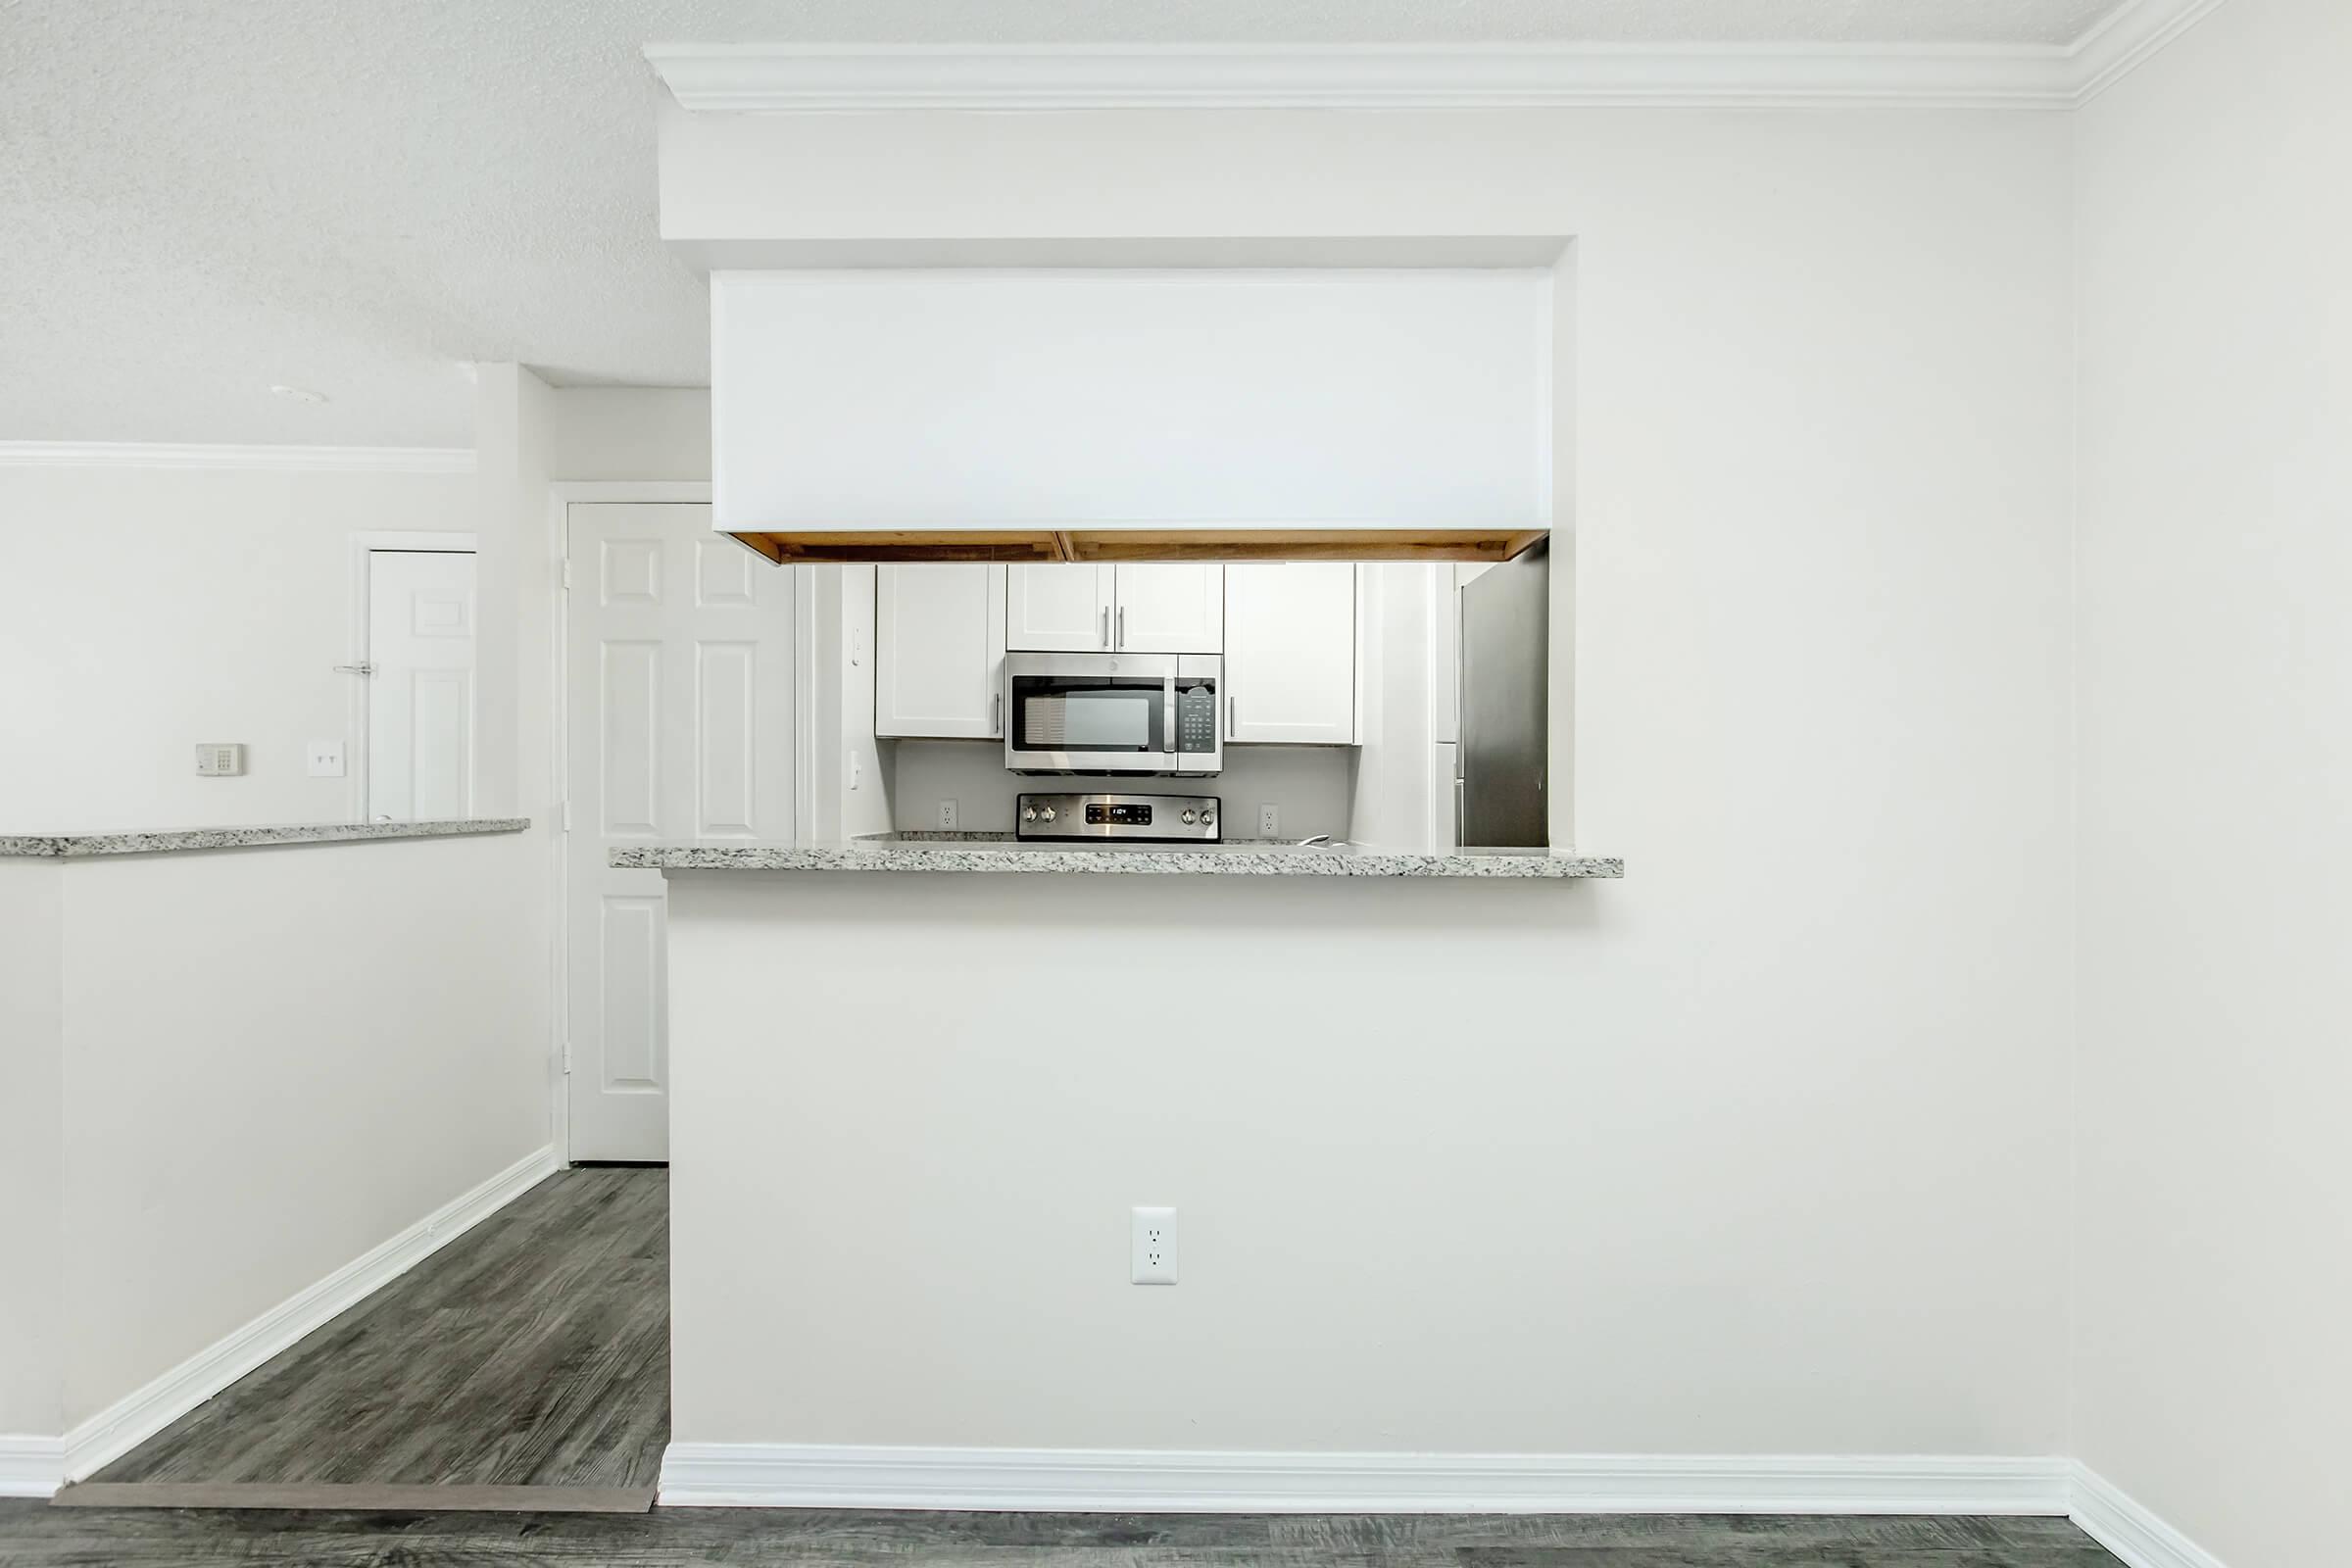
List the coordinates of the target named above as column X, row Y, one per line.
column 219, row 760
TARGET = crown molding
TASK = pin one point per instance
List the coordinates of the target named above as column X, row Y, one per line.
column 2127, row 38
column 823, row 78
column 787, row 78
column 200, row 454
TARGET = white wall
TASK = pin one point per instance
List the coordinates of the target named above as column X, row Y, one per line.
column 2215, row 1194
column 1310, row 783
column 631, row 432
column 847, row 772
column 324, row 1044
column 143, row 611
column 1790, row 1098
column 31, row 1145
column 1393, row 799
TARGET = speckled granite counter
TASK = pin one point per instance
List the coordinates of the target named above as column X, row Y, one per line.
column 976, row 853
column 174, row 840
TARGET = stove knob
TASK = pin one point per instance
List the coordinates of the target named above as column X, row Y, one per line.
column 1028, row 813
column 1046, row 815
column 1189, row 814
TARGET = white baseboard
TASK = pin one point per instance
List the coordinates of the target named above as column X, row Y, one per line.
column 30, row 1467
column 2118, row 1522
column 1112, row 1480
column 133, row 1419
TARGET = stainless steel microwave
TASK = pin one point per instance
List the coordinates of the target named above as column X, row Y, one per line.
column 1113, row 713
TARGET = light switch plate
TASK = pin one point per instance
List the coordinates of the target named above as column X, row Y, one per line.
column 326, row 759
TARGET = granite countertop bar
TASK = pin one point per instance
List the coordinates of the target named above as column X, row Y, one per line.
column 177, row 841
column 1001, row 854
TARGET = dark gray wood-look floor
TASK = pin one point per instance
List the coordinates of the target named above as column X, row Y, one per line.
column 34, row 1535
column 532, row 1350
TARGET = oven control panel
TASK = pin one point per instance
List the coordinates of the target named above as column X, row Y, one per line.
column 1133, row 818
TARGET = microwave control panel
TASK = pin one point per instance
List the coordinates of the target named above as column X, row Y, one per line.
column 1196, row 717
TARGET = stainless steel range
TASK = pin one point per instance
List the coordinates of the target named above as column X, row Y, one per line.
column 1132, row 818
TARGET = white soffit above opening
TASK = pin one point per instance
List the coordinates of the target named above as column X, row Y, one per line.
column 790, row 78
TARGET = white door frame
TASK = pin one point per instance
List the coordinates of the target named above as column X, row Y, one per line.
column 362, row 546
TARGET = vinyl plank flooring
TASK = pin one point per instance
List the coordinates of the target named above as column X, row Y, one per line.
column 533, row 1350
column 33, row 1534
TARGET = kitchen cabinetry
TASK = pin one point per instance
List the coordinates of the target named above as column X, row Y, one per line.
column 1132, row 610
column 1168, row 609
column 939, row 665
column 1289, row 653
column 1058, row 609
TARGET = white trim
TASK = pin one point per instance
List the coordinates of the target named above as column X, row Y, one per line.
column 2126, row 1528
column 140, row 1415
column 30, row 1467
column 561, row 496
column 197, row 454
column 820, row 1476
column 775, row 79
column 805, row 79
column 359, row 563
column 2127, row 38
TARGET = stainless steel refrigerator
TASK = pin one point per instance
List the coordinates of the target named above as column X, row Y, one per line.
column 1504, row 697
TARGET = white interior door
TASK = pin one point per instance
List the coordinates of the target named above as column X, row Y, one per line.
column 420, row 699
column 679, row 725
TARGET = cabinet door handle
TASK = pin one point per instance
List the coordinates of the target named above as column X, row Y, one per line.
column 1106, row 625
column 1123, row 625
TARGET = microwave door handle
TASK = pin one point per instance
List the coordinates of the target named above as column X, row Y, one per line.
column 1168, row 717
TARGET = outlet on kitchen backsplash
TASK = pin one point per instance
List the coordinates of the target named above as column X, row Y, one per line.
column 1310, row 783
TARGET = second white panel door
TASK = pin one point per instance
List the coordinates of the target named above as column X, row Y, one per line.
column 419, row 756
column 1169, row 610
column 1057, row 608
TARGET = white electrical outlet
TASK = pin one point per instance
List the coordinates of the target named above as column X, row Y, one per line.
column 326, row 759
column 947, row 816
column 1269, row 821
column 1153, row 1250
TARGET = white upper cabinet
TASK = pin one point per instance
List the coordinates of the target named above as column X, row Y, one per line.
column 1289, row 653
column 1058, row 609
column 1168, row 609
column 939, row 664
